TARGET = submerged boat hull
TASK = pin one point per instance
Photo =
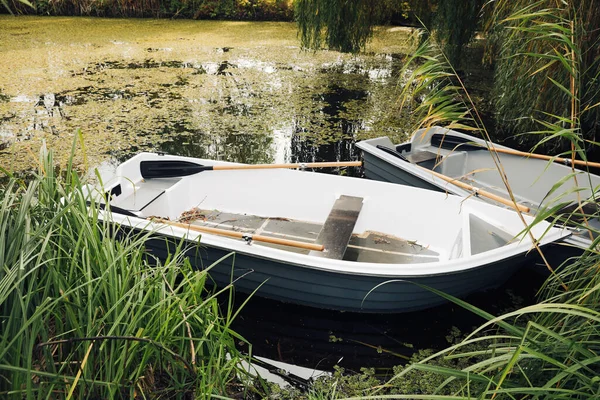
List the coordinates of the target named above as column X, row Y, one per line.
column 400, row 239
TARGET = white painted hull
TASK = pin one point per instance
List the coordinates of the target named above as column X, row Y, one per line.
column 453, row 242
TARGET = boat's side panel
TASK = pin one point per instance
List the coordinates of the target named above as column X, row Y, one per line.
column 381, row 170
column 323, row 289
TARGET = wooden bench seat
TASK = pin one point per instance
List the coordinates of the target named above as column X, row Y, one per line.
column 337, row 230
column 423, row 156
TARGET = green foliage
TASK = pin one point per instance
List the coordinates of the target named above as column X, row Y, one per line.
column 196, row 9
column 432, row 90
column 548, row 350
column 366, row 384
column 347, row 25
column 455, row 23
column 547, row 69
column 341, row 384
column 87, row 315
column 10, row 5
column 342, row 25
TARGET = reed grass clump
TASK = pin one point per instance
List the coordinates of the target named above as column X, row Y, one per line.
column 548, row 350
column 85, row 312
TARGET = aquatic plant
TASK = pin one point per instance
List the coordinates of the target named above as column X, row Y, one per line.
column 9, row 7
column 85, row 312
column 547, row 63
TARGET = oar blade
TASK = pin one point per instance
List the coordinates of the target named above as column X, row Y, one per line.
column 170, row 168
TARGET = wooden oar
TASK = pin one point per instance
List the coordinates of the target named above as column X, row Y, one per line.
column 466, row 186
column 177, row 168
column 240, row 235
column 452, row 142
column 566, row 161
column 479, row 192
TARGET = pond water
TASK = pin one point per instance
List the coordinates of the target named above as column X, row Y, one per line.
column 237, row 91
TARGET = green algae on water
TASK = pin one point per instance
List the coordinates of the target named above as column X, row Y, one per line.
column 190, row 86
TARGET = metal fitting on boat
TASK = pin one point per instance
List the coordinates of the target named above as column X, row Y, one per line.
column 248, row 239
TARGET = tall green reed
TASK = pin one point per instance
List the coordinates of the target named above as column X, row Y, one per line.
column 85, row 312
column 16, row 4
column 548, row 350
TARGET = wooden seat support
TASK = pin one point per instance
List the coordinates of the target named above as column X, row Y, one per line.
column 337, row 230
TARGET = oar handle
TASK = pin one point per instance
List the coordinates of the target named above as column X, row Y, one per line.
column 567, row 161
column 240, row 235
column 458, row 142
column 480, row 192
column 296, row 165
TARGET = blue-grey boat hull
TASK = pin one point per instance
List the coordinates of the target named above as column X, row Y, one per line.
column 380, row 170
column 345, row 292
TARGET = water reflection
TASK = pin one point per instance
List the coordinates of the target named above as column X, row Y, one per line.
column 245, row 103
column 246, row 148
column 287, row 143
column 282, row 146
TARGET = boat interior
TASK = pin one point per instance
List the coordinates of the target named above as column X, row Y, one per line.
column 477, row 168
column 351, row 227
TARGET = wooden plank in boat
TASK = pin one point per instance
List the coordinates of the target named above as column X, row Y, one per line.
column 369, row 246
column 337, row 230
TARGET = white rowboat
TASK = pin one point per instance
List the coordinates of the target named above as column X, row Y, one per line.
column 380, row 241
column 445, row 160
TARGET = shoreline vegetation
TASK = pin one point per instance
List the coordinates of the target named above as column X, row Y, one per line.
column 243, row 10
column 85, row 312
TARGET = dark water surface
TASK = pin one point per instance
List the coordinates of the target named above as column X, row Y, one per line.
column 322, row 339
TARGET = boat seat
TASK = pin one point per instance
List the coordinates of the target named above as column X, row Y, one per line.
column 337, row 230
column 422, row 156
